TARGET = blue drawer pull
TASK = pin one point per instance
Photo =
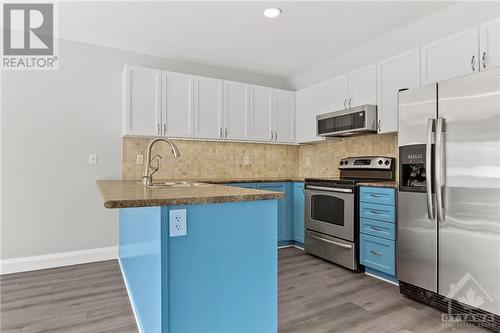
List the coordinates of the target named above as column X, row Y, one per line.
column 375, row 212
column 376, row 253
column 375, row 228
column 376, row 195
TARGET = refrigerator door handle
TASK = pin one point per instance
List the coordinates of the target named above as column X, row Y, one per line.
column 428, row 167
column 439, row 169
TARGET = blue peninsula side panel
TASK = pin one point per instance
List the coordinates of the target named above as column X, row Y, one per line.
column 223, row 276
column 140, row 261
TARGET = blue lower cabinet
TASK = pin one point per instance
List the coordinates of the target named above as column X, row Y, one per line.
column 285, row 230
column 378, row 253
column 377, row 212
column 298, row 213
column 376, row 228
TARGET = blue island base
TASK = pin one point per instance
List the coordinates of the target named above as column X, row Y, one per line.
column 221, row 277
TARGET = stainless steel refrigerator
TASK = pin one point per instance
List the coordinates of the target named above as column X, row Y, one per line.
column 448, row 234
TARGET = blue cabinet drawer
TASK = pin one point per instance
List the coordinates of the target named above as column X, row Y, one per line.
column 378, row 195
column 378, row 253
column 377, row 212
column 376, row 228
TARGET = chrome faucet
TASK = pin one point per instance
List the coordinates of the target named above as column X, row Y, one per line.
column 150, row 170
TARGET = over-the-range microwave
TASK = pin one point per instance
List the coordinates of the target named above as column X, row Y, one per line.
column 356, row 120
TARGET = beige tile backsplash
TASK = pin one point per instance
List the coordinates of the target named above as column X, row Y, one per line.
column 207, row 159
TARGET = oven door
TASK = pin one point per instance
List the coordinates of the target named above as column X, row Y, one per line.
column 330, row 211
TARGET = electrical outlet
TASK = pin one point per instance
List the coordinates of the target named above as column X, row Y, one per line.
column 139, row 159
column 246, row 160
column 92, row 159
column 177, row 222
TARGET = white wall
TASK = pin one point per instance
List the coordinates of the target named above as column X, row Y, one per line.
column 452, row 19
column 51, row 121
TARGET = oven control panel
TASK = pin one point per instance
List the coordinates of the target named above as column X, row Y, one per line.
column 367, row 162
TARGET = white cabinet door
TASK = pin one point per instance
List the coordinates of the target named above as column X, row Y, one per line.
column 141, row 101
column 336, row 94
column 489, row 44
column 236, row 110
column 207, row 108
column 397, row 72
column 450, row 57
column 284, row 115
column 261, row 113
column 177, row 105
column 363, row 86
column 310, row 103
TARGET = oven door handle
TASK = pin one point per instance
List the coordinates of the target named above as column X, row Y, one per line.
column 345, row 246
column 328, row 189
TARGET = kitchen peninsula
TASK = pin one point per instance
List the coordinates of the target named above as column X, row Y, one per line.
column 221, row 276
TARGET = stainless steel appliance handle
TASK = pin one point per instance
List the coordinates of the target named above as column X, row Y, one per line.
column 439, row 169
column 345, row 246
column 428, row 169
column 329, row 189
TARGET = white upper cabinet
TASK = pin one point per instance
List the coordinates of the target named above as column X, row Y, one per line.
column 236, row 103
column 398, row 72
column 261, row 113
column 207, row 108
column 489, row 44
column 450, row 57
column 336, row 94
column 177, row 105
column 310, row 103
column 363, row 86
column 284, row 116
column 141, row 101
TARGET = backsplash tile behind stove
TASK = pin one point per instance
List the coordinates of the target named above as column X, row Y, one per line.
column 205, row 159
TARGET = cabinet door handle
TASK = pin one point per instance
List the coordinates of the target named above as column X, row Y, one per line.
column 225, row 132
column 220, row 132
column 345, row 101
column 272, row 135
column 379, row 125
column 275, row 136
column 349, row 102
column 472, row 63
column 376, row 253
column 159, row 129
column 164, row 129
column 484, row 59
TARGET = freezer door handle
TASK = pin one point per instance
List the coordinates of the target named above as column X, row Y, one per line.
column 439, row 160
column 428, row 167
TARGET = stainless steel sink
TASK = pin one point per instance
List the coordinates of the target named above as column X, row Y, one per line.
column 179, row 184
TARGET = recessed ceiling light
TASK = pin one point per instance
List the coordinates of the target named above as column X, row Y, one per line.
column 272, row 12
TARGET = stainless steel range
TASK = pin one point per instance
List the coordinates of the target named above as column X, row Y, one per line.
column 331, row 208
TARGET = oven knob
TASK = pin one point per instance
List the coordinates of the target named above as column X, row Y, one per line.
column 341, row 162
column 346, row 162
column 387, row 162
column 380, row 162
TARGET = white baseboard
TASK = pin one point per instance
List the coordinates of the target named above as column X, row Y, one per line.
column 381, row 278
column 24, row 264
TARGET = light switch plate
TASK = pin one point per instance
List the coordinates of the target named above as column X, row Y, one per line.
column 177, row 222
column 92, row 159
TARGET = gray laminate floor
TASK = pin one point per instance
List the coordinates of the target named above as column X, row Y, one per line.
column 314, row 296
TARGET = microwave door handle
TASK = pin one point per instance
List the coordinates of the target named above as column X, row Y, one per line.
column 439, row 183
column 428, row 168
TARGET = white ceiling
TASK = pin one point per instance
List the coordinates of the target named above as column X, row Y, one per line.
column 236, row 35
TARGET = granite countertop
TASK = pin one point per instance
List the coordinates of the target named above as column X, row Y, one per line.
column 131, row 193
column 379, row 184
column 247, row 180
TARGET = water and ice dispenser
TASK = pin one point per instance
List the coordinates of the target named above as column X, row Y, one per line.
column 412, row 168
